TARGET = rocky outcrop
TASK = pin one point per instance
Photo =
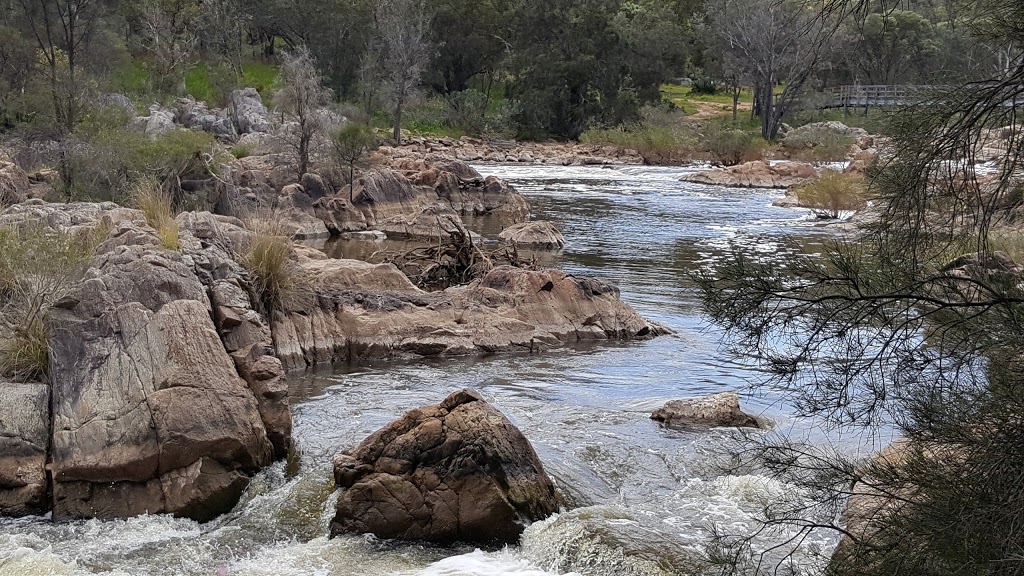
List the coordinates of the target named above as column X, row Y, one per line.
column 159, row 122
column 248, row 112
column 510, row 151
column 507, row 310
column 14, row 183
column 197, row 116
column 536, row 234
column 455, row 471
column 808, row 133
column 149, row 412
column 24, row 440
column 420, row 200
column 721, row 409
column 756, row 174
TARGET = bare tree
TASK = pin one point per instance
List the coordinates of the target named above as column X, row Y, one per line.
column 301, row 101
column 402, row 29
column 63, row 30
column 168, row 28
column 779, row 42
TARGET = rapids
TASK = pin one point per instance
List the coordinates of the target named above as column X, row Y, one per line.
column 642, row 499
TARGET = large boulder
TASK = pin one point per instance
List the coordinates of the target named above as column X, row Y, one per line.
column 248, row 111
column 455, row 471
column 756, row 174
column 721, row 409
column 197, row 116
column 150, row 414
column 536, row 234
column 24, row 438
column 507, row 310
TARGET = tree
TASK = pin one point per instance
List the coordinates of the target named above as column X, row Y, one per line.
column 780, row 42
column 63, row 31
column 168, row 34
column 889, row 47
column 572, row 70
column 403, row 52
column 891, row 328
column 351, row 144
column 470, row 38
column 301, row 101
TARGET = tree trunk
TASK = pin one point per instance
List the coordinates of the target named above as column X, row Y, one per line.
column 397, row 132
column 351, row 182
column 735, row 104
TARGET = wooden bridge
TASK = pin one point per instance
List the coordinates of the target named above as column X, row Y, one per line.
column 868, row 96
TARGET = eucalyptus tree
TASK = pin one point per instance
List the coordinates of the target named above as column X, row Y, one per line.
column 301, row 100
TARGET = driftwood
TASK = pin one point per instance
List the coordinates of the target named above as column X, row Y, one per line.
column 452, row 261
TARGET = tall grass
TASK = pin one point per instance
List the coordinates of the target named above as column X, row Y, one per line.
column 156, row 206
column 656, row 144
column 276, row 278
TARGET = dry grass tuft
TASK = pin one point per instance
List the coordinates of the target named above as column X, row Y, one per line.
column 277, row 279
column 156, row 205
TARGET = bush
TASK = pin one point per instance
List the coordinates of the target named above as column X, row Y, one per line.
column 704, row 86
column 38, row 266
column 156, row 206
column 466, row 111
column 103, row 164
column 657, row 144
column 277, row 281
column 817, row 144
column 731, row 146
column 241, row 151
column 832, row 194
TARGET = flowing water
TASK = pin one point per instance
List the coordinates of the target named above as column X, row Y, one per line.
column 641, row 498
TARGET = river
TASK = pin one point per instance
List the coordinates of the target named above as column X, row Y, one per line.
column 642, row 498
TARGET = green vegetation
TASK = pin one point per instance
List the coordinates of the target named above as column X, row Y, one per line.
column 833, row 193
column 351, row 144
column 731, row 146
column 817, row 144
column 38, row 267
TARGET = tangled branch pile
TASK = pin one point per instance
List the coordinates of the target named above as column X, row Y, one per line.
column 459, row 260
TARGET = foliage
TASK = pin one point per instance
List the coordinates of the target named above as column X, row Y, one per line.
column 106, row 160
column 817, row 144
column 705, row 86
column 656, row 144
column 351, row 144
column 38, row 267
column 832, row 194
column 883, row 329
column 300, row 99
column 731, row 146
column 155, row 203
column 402, row 53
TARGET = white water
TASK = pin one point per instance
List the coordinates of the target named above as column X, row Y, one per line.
column 642, row 499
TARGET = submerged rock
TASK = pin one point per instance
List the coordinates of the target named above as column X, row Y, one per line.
column 536, row 234
column 721, row 409
column 455, row 471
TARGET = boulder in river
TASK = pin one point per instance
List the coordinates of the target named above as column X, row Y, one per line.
column 455, row 471
column 721, row 409
column 756, row 174
column 536, row 234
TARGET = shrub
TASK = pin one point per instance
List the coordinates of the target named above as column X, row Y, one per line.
column 38, row 266
column 656, row 144
column 276, row 279
column 241, row 151
column 704, row 86
column 156, row 206
column 731, row 146
column 832, row 194
column 466, row 111
column 817, row 144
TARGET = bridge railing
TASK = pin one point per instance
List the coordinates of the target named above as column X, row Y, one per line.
column 869, row 95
